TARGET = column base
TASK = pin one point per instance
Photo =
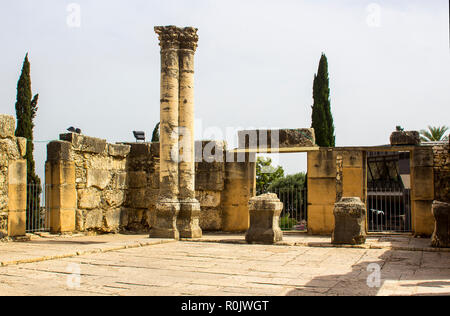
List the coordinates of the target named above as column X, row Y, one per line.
column 166, row 220
column 188, row 221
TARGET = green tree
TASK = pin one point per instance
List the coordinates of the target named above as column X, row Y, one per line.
column 322, row 119
column 266, row 174
column 26, row 109
column 434, row 134
column 155, row 134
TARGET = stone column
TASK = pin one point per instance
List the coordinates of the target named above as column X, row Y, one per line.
column 188, row 218
column 168, row 206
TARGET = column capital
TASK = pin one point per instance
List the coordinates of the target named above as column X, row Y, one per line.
column 168, row 36
column 188, row 38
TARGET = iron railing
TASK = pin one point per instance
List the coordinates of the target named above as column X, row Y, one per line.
column 37, row 213
column 294, row 214
column 389, row 210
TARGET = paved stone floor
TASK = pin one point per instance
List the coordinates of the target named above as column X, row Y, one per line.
column 197, row 268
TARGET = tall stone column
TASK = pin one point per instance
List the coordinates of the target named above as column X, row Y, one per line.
column 168, row 206
column 188, row 218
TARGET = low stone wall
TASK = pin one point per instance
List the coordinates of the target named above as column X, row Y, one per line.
column 442, row 172
column 12, row 179
column 116, row 186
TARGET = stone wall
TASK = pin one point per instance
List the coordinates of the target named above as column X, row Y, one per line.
column 442, row 172
column 116, row 186
column 12, row 179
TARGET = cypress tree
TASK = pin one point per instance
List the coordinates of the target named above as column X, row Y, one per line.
column 155, row 134
column 322, row 119
column 26, row 108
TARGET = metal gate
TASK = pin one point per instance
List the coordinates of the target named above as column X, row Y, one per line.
column 389, row 192
column 295, row 207
column 38, row 213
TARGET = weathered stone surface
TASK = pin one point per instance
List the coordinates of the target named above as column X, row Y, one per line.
column 188, row 220
column 441, row 163
column 137, row 198
column 119, row 150
column 85, row 143
column 88, row 198
column 208, row 198
column 165, row 225
column 265, row 213
column 210, row 151
column 59, row 150
column 350, row 221
column 9, row 148
column 22, row 145
column 441, row 234
column 283, row 138
column 211, row 219
column 209, row 176
column 93, row 219
column 98, row 178
column 405, row 138
column 113, row 219
column 7, row 126
column 114, row 198
column 137, row 179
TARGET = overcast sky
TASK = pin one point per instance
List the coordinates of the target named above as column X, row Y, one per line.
column 388, row 65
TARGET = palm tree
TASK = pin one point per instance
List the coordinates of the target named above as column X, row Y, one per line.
column 434, row 134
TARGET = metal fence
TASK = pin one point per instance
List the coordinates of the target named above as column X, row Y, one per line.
column 38, row 213
column 294, row 214
column 389, row 210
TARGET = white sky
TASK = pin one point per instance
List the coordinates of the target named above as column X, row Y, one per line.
column 254, row 66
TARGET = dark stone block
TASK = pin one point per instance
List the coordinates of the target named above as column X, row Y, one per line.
column 405, row 138
column 283, row 138
column 59, row 150
column 441, row 234
column 350, row 222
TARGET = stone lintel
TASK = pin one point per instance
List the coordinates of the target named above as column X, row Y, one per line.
column 282, row 138
column 119, row 150
column 405, row 138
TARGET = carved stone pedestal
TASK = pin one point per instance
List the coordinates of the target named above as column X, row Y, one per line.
column 188, row 221
column 166, row 224
column 265, row 213
column 441, row 234
column 350, row 222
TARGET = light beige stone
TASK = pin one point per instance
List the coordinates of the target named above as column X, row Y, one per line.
column 7, row 126
column 94, row 219
column 98, row 178
column 88, row 198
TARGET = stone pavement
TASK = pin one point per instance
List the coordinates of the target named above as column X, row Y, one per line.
column 137, row 265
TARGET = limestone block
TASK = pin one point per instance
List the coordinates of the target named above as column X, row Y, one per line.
column 188, row 220
column 322, row 164
column 98, row 178
column 422, row 157
column 113, row 219
column 22, row 145
column 93, row 219
column 137, row 198
column 119, row 150
column 350, row 221
column 137, row 179
column 210, row 151
column 265, row 213
column 114, row 198
column 208, row 198
column 399, row 138
column 441, row 234
column 211, row 219
column 85, row 143
column 120, row 181
column 10, row 148
column 140, row 149
column 7, row 126
column 210, row 176
column 283, row 138
column 88, row 198
column 59, row 150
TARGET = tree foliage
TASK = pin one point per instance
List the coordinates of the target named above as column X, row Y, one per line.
column 155, row 134
column 266, row 174
column 26, row 109
column 434, row 134
column 322, row 119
